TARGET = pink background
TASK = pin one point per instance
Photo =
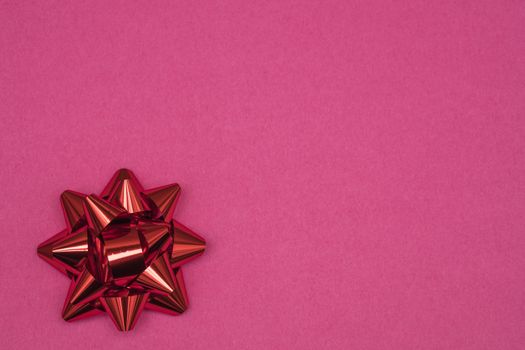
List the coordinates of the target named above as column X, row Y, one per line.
column 356, row 167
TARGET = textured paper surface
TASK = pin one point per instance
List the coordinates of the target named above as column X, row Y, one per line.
column 356, row 167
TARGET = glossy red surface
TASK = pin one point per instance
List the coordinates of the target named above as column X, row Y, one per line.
column 122, row 251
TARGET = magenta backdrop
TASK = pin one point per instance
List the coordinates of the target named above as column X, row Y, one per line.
column 357, row 168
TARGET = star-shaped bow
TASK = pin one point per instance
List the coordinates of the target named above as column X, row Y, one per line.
column 122, row 251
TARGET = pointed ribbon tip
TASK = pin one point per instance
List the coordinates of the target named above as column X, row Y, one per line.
column 158, row 276
column 100, row 213
column 164, row 199
column 72, row 206
column 125, row 310
column 176, row 302
column 187, row 245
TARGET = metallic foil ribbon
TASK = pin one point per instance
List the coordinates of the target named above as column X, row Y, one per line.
column 122, row 251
